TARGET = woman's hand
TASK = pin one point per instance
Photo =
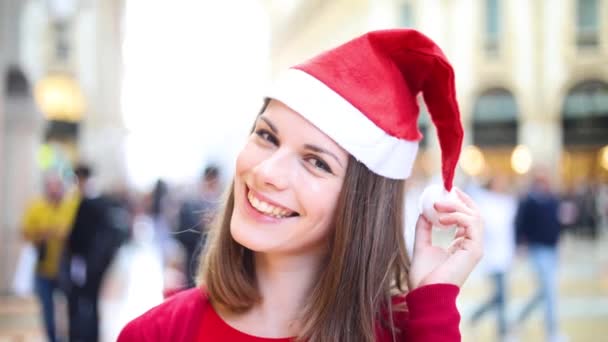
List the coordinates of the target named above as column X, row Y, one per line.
column 432, row 264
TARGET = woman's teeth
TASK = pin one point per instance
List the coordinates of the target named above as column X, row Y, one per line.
column 267, row 208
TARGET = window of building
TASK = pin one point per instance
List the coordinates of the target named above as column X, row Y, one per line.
column 424, row 121
column 495, row 119
column 492, row 27
column 587, row 23
column 585, row 114
column 406, row 15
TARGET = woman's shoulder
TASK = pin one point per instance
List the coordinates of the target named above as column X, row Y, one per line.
column 176, row 319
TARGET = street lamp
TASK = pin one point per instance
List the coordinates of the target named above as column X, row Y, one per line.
column 604, row 157
column 60, row 98
column 521, row 159
column 472, row 160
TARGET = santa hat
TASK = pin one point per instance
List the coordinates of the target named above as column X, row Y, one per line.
column 363, row 94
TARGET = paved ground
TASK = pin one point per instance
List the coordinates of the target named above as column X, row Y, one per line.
column 135, row 284
column 583, row 304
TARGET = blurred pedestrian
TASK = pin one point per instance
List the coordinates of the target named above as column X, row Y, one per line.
column 83, row 173
column 101, row 225
column 498, row 209
column 586, row 196
column 46, row 224
column 195, row 216
column 569, row 211
column 538, row 229
column 602, row 208
column 160, row 214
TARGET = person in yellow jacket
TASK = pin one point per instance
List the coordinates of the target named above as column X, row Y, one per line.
column 46, row 224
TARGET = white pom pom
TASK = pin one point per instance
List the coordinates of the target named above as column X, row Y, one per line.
column 432, row 194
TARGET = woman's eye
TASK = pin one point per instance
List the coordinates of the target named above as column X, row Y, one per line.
column 319, row 164
column 266, row 135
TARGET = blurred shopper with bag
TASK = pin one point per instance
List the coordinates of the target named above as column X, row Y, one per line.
column 46, row 224
column 101, row 225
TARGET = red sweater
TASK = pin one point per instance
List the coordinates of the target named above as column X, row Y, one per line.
column 188, row 316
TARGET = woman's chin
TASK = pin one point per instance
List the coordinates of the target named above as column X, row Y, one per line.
column 249, row 239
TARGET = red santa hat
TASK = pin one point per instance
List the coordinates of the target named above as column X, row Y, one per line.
column 363, row 94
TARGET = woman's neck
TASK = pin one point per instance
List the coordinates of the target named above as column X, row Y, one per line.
column 284, row 283
column 285, row 279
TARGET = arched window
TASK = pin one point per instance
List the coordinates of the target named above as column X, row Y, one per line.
column 16, row 83
column 492, row 27
column 585, row 114
column 587, row 23
column 495, row 119
column 406, row 15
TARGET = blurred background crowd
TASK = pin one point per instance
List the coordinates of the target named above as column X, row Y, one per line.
column 120, row 121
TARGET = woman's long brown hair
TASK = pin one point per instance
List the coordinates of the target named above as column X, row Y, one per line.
column 366, row 263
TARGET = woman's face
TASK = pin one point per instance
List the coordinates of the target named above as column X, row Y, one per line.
column 287, row 182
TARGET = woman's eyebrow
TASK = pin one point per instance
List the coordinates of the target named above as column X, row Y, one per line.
column 270, row 124
column 322, row 150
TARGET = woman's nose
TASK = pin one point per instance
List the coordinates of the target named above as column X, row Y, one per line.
column 273, row 172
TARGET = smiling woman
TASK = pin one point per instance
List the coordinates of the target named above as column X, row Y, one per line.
column 280, row 172
column 310, row 244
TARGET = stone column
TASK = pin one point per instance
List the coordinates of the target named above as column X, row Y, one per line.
column 20, row 135
column 98, row 49
column 10, row 124
column 20, row 132
column 3, row 47
column 539, row 127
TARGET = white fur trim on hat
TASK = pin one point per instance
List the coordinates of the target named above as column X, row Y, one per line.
column 346, row 125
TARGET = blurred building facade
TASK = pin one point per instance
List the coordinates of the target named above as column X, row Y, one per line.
column 529, row 73
column 73, row 47
column 74, row 51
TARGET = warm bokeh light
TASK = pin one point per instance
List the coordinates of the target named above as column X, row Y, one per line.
column 59, row 97
column 604, row 157
column 521, row 159
column 472, row 160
